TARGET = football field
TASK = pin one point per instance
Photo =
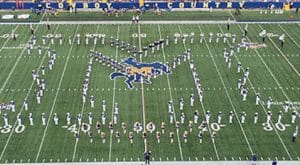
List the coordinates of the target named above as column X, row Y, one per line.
column 274, row 72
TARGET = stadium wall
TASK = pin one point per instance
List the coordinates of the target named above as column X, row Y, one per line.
column 150, row 5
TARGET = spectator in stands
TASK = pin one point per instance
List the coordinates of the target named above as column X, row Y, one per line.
column 157, row 10
column 122, row 11
column 237, row 12
column 143, row 9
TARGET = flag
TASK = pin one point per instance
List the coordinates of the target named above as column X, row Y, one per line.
column 141, row 2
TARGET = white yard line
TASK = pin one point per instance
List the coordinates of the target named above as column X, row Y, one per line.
column 171, row 96
column 55, row 98
column 113, row 101
column 295, row 42
column 282, row 54
column 8, row 39
column 81, row 113
column 232, row 15
column 43, row 16
column 22, row 108
column 17, row 62
column 142, row 86
column 272, row 75
column 79, row 128
column 252, row 87
column 203, row 108
column 228, row 96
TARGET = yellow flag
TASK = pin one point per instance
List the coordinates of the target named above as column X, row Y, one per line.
column 70, row 1
column 141, row 2
column 287, row 7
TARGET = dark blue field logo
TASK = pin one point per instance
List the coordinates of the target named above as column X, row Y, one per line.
column 140, row 72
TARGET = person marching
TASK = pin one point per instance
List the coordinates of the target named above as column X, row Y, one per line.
column 281, row 39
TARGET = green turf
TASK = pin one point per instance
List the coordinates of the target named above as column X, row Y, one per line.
column 149, row 15
column 246, row 15
column 39, row 143
column 249, row 15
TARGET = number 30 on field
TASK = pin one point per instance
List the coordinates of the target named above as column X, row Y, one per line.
column 7, row 129
column 278, row 126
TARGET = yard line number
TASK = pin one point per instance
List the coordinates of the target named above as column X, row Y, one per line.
column 279, row 126
column 5, row 36
column 136, row 35
column 7, row 129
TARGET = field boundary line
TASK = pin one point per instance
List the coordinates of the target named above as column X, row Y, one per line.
column 8, row 38
column 113, row 100
column 151, row 22
column 282, row 54
column 21, row 110
column 251, row 84
column 172, row 163
column 228, row 96
column 214, row 145
column 170, row 92
column 55, row 98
